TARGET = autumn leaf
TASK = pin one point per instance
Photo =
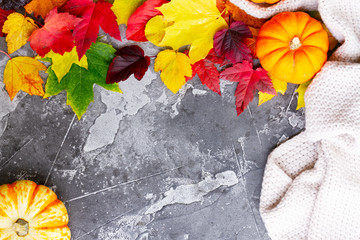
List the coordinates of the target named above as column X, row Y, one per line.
column 18, row 29
column 55, row 35
column 221, row 5
column 129, row 60
column 249, row 80
column 301, row 97
column 124, row 8
column 229, row 42
column 174, row 67
column 207, row 71
column 251, row 42
column 3, row 17
column 240, row 15
column 136, row 25
column 78, row 82
column 94, row 16
column 61, row 64
column 155, row 29
column 22, row 73
column 43, row 7
column 279, row 86
column 190, row 22
column 12, row 5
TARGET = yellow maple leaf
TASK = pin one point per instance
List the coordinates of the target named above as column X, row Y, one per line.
column 301, row 91
column 155, row 29
column 191, row 22
column 61, row 64
column 280, row 87
column 18, row 29
column 123, row 9
column 43, row 7
column 174, row 66
column 22, row 73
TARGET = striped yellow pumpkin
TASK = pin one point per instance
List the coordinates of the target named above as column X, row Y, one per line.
column 31, row 212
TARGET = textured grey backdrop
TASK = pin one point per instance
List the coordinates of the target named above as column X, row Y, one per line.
column 148, row 164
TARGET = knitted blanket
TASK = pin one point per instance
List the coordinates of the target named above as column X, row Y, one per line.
column 311, row 185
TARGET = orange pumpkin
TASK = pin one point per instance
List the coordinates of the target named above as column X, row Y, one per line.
column 292, row 47
column 31, row 212
column 265, row 1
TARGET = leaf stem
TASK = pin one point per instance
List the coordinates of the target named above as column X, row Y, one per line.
column 5, row 54
column 39, row 24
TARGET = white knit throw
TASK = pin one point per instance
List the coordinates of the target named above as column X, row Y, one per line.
column 311, row 185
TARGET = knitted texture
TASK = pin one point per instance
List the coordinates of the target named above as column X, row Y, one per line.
column 311, row 185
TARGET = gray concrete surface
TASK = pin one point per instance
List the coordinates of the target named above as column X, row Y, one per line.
column 148, row 164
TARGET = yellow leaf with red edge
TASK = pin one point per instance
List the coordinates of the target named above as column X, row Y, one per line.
column 174, row 67
column 191, row 22
column 123, row 9
column 301, row 97
column 22, row 73
column 43, row 7
column 279, row 86
column 18, row 29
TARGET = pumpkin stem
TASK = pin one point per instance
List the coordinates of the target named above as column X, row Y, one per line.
column 21, row 227
column 295, row 43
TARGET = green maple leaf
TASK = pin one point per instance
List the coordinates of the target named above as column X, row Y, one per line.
column 79, row 82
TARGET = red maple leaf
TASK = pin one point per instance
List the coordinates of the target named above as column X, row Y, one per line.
column 3, row 17
column 229, row 42
column 129, row 60
column 249, row 80
column 94, row 16
column 55, row 35
column 136, row 24
column 208, row 72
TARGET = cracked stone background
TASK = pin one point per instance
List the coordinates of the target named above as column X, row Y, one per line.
column 148, row 164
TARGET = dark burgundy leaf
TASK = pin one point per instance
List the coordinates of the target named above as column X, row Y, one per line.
column 229, row 42
column 129, row 60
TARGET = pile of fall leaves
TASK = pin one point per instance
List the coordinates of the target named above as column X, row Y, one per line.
column 211, row 38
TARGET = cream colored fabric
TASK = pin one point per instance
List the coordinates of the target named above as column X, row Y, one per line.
column 311, row 186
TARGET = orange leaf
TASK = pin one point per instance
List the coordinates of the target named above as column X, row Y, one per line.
column 221, row 5
column 251, row 42
column 41, row 7
column 22, row 73
column 240, row 15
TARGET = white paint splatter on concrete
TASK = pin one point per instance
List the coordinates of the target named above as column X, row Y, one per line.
column 199, row 92
column 134, row 97
column 149, row 196
column 163, row 98
column 296, row 121
column 187, row 194
column 7, row 106
column 67, row 174
column 180, row 96
column 282, row 139
column 245, row 165
column 128, row 227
